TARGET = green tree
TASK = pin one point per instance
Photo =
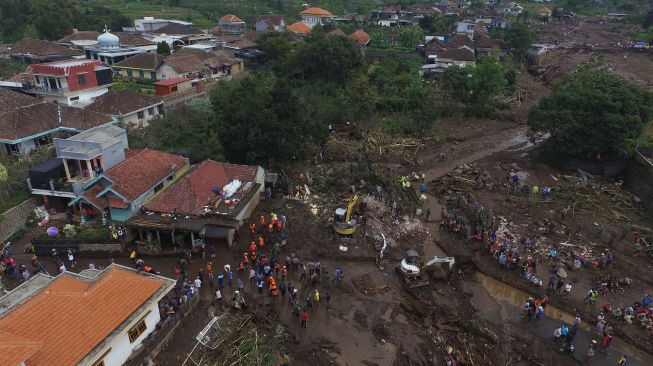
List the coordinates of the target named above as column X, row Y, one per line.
column 326, row 58
column 276, row 46
column 594, row 113
column 260, row 119
column 162, row 48
column 488, row 80
column 478, row 85
column 191, row 131
column 4, row 174
column 648, row 20
column 433, row 25
column 520, row 36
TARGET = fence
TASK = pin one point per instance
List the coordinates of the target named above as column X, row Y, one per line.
column 161, row 336
column 45, row 246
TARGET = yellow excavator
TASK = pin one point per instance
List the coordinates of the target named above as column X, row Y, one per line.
column 343, row 224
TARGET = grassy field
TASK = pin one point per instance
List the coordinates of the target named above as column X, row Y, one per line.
column 140, row 9
column 205, row 13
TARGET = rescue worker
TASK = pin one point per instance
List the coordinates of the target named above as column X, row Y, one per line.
column 284, row 273
column 261, row 242
column 252, row 247
column 252, row 230
column 245, row 258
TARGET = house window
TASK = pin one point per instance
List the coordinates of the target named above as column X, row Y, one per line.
column 161, row 109
column 74, row 99
column 140, row 115
column 13, row 149
column 43, row 141
column 81, row 79
column 173, row 88
column 129, row 73
column 153, row 75
column 150, row 111
column 158, row 187
column 141, row 74
column 136, row 331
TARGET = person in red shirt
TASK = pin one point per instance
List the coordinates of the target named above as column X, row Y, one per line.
column 252, row 247
column 252, row 230
column 304, row 318
column 261, row 242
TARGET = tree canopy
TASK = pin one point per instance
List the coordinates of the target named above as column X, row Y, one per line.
column 520, row 36
column 162, row 48
column 477, row 86
column 54, row 19
column 191, row 131
column 260, row 118
column 594, row 113
column 322, row 57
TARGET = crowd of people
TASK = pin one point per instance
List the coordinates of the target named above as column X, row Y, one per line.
column 262, row 268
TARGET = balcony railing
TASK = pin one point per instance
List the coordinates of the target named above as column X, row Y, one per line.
column 46, row 89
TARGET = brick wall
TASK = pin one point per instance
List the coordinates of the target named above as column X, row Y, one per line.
column 14, row 218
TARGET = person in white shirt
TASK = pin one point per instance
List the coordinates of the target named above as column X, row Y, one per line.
column 218, row 296
column 198, row 283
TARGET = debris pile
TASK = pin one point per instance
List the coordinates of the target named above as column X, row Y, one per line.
column 381, row 220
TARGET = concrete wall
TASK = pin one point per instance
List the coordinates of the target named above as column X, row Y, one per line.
column 15, row 218
column 147, row 74
column 112, row 247
column 168, row 72
column 133, row 120
column 122, row 348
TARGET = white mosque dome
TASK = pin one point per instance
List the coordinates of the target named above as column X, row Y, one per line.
column 108, row 40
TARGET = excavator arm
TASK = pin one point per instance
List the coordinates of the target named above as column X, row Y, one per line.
column 350, row 207
column 436, row 259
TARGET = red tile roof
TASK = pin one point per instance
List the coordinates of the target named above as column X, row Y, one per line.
column 231, row 18
column 71, row 316
column 186, row 64
column 29, row 120
column 361, row 37
column 299, row 28
column 460, row 40
column 142, row 171
column 122, row 102
column 41, row 47
column 189, row 194
column 457, row 54
column 15, row 349
column 172, row 81
column 142, row 61
column 315, row 11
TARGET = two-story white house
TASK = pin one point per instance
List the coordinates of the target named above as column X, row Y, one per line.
column 314, row 16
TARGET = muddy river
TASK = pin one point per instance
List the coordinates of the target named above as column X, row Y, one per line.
column 501, row 303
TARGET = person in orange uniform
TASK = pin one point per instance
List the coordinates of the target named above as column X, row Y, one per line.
column 246, row 257
column 279, row 225
column 261, row 242
column 252, row 247
column 252, row 230
column 262, row 220
column 274, row 291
